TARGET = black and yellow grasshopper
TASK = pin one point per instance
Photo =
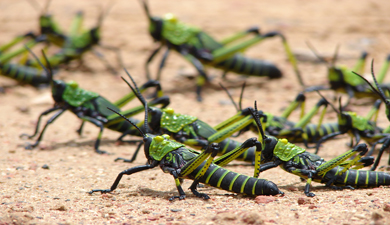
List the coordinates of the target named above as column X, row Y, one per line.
column 184, row 163
column 200, row 49
column 76, row 43
column 281, row 126
column 385, row 140
column 190, row 130
column 358, row 127
column 296, row 160
column 21, row 73
column 91, row 107
column 342, row 80
column 52, row 31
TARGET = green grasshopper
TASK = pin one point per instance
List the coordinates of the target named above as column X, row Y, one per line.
column 190, row 130
column 200, row 49
column 184, row 163
column 342, row 79
column 21, row 73
column 385, row 140
column 281, row 127
column 77, row 43
column 49, row 30
column 358, row 127
column 90, row 107
column 296, row 160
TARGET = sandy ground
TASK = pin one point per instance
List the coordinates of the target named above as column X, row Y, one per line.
column 31, row 194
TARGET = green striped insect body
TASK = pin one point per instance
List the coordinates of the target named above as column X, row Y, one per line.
column 343, row 80
column 19, row 72
column 200, row 49
column 24, row 74
column 183, row 163
column 91, row 107
column 337, row 171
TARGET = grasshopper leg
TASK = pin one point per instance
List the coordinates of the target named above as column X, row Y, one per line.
column 120, row 175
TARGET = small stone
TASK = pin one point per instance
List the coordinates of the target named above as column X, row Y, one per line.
column 376, row 216
column 23, row 109
column 46, row 167
column 176, row 210
column 152, row 218
column 264, row 199
column 292, row 188
column 60, row 208
column 312, row 206
column 303, row 201
column 225, row 216
column 145, row 211
column 252, row 218
column 386, row 207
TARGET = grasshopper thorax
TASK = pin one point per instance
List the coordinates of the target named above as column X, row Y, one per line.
column 285, row 151
column 157, row 147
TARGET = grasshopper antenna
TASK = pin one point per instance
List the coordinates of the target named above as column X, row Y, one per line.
column 377, row 90
column 334, row 108
column 146, row 8
column 140, row 131
column 315, row 52
column 103, row 13
column 35, row 5
column 335, row 55
column 46, row 7
column 49, row 70
column 241, row 95
column 230, row 96
column 255, row 115
column 141, row 98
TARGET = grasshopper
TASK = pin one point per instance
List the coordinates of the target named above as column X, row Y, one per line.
column 342, row 79
column 90, row 107
column 296, row 160
column 184, row 163
column 201, row 50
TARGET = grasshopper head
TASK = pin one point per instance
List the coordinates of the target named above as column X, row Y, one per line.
column 155, row 23
column 267, row 154
column 57, row 90
column 345, row 120
column 155, row 119
column 156, row 27
column 95, row 35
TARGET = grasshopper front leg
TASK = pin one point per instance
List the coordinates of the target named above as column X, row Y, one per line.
column 202, row 78
column 51, row 120
column 120, row 175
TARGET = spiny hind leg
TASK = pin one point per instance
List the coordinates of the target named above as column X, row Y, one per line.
column 212, row 151
column 337, row 161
